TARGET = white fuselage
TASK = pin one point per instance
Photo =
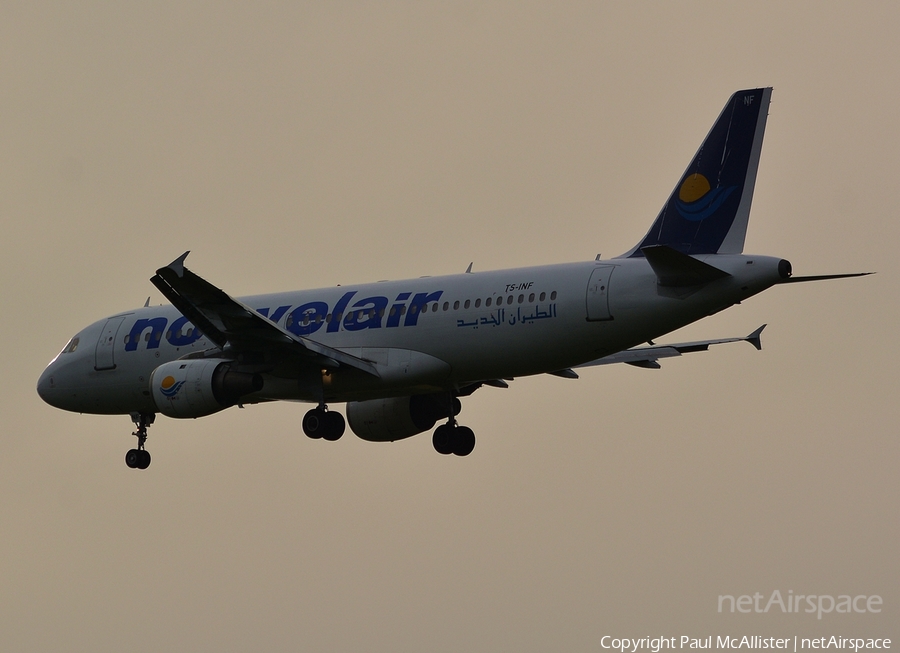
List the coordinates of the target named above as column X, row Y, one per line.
column 474, row 327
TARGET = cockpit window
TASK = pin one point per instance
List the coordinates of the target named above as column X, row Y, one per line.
column 72, row 346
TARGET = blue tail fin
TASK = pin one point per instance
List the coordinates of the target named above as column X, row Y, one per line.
column 707, row 213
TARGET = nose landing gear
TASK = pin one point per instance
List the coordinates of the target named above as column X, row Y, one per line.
column 140, row 458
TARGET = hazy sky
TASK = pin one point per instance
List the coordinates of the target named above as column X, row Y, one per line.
column 299, row 145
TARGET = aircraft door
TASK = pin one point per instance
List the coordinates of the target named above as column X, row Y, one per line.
column 598, row 293
column 103, row 355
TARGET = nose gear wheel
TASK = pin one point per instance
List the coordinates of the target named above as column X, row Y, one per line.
column 140, row 458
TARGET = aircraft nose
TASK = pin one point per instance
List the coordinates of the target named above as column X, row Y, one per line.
column 46, row 386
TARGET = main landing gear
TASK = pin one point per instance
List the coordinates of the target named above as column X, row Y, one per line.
column 452, row 438
column 322, row 423
column 140, row 458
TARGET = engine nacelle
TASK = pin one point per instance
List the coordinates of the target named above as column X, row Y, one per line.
column 386, row 420
column 196, row 388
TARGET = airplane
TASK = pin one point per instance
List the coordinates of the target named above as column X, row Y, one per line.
column 401, row 354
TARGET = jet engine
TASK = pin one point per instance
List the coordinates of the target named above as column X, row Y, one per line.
column 196, row 388
column 386, row 420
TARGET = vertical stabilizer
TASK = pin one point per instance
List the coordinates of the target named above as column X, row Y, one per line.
column 708, row 211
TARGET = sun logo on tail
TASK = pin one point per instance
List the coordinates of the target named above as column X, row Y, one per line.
column 697, row 200
column 169, row 387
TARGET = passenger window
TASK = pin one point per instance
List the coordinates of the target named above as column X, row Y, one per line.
column 466, row 305
column 531, row 298
column 521, row 298
column 553, row 296
column 456, row 305
column 446, row 305
column 509, row 299
column 543, row 296
column 487, row 302
column 424, row 308
column 477, row 303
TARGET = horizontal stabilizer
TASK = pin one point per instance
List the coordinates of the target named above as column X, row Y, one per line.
column 823, row 277
column 674, row 269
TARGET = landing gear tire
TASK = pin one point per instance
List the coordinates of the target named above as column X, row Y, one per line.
column 464, row 441
column 137, row 458
column 455, row 439
column 334, row 426
column 442, row 439
column 319, row 423
column 314, row 423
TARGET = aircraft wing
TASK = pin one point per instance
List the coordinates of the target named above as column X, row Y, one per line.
column 226, row 321
column 649, row 356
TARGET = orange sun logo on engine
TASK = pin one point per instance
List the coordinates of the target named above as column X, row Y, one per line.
column 169, row 387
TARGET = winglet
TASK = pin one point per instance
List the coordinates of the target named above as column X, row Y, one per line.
column 469, row 269
column 754, row 339
column 177, row 266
